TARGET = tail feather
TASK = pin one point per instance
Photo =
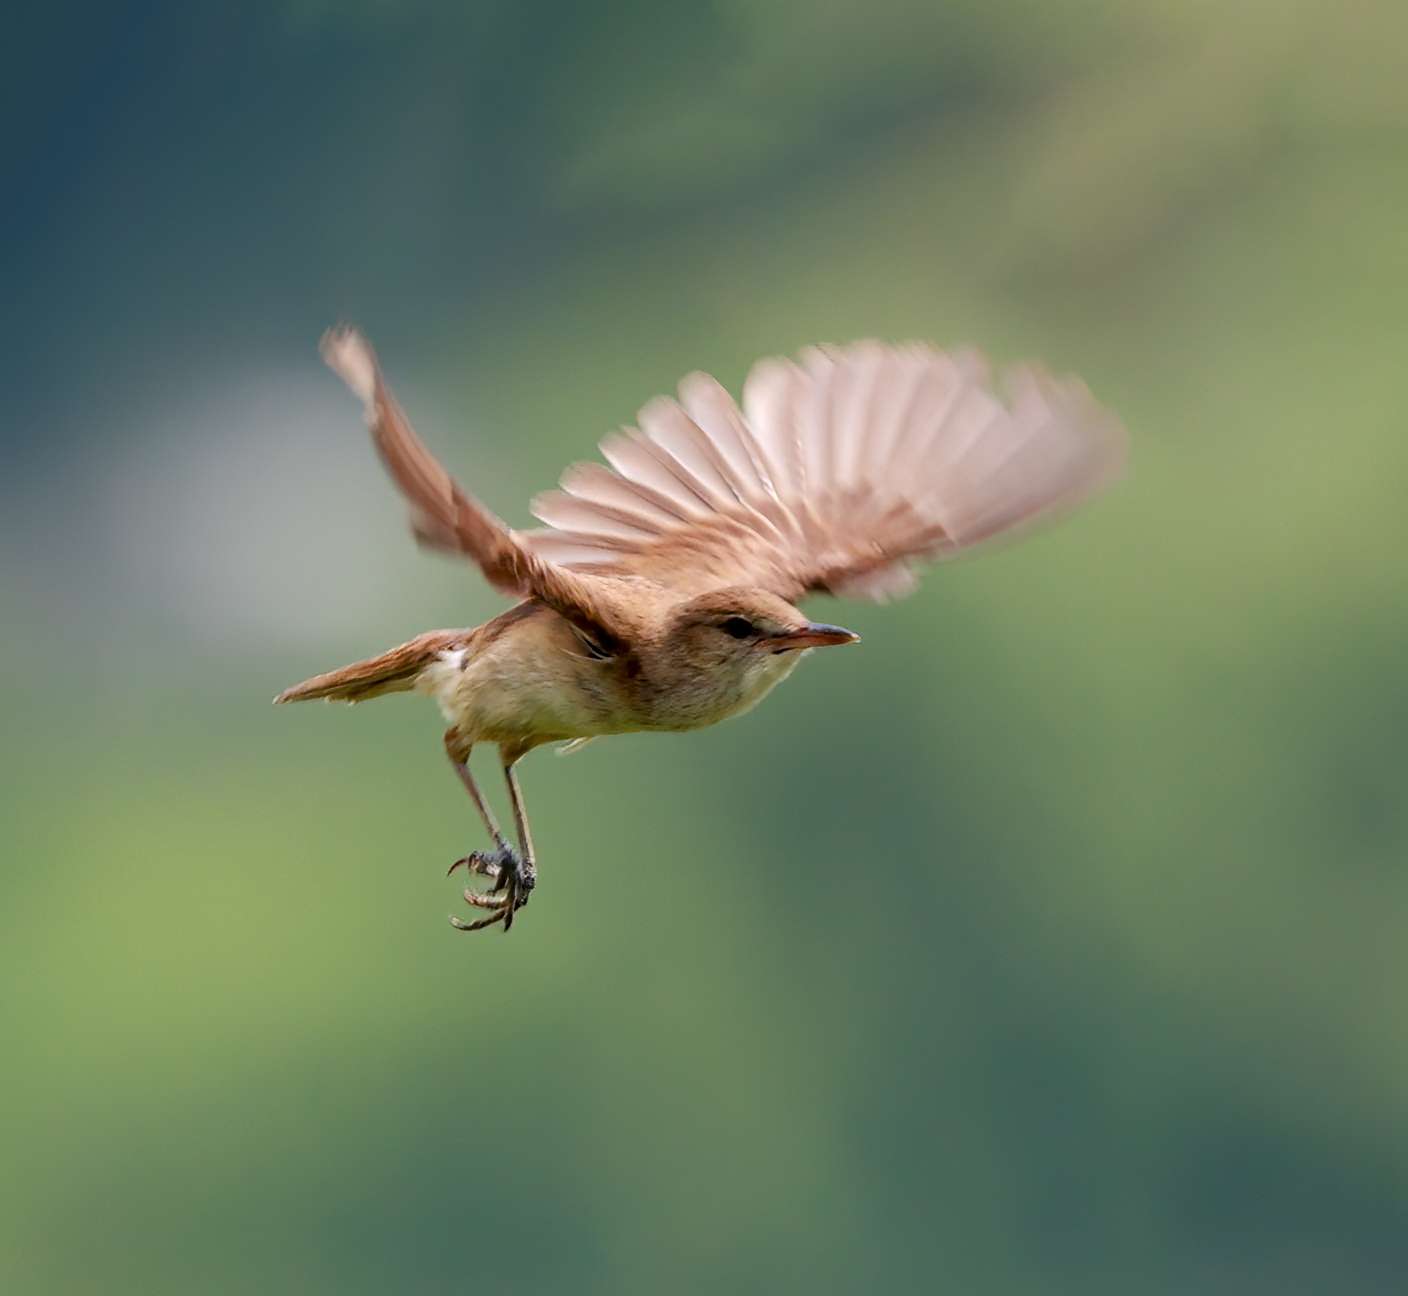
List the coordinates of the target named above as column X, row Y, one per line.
column 395, row 671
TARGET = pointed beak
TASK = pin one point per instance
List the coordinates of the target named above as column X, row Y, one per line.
column 816, row 635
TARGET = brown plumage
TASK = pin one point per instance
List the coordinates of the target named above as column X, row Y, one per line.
column 660, row 593
column 392, row 672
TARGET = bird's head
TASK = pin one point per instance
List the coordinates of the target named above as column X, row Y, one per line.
column 733, row 645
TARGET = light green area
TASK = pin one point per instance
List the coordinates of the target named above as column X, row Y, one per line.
column 1052, row 940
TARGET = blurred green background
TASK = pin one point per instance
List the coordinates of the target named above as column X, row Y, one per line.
column 1052, row 941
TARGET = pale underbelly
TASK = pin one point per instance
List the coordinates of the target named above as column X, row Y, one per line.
column 519, row 704
column 512, row 702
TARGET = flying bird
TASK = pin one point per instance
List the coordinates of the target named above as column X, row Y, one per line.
column 661, row 593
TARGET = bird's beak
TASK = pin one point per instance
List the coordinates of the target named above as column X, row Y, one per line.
column 815, row 635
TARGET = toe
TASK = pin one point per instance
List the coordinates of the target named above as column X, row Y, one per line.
column 477, row 901
column 460, row 925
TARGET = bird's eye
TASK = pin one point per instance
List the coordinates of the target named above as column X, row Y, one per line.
column 738, row 627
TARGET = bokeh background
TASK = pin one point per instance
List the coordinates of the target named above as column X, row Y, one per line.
column 1052, row 941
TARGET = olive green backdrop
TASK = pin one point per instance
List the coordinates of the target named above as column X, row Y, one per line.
column 1051, row 941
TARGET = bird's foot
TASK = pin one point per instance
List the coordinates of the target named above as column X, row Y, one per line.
column 514, row 879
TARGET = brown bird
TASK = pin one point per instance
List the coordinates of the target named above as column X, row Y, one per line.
column 660, row 595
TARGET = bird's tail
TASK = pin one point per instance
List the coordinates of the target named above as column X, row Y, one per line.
column 393, row 672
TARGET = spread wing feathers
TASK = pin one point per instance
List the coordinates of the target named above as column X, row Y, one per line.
column 843, row 468
column 443, row 515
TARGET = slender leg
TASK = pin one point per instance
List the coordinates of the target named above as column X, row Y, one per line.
column 459, row 758
column 527, row 872
column 511, row 873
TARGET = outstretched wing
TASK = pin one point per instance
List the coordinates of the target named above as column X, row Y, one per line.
column 842, row 470
column 443, row 515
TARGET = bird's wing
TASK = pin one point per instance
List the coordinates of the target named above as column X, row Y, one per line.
column 444, row 516
column 842, row 470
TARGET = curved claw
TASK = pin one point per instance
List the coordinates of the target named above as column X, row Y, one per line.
column 513, row 881
column 477, row 862
column 460, row 925
column 482, row 901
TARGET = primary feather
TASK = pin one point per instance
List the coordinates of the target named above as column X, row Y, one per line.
column 842, row 470
column 444, row 515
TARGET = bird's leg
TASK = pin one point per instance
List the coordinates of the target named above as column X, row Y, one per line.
column 501, row 864
column 513, row 873
column 458, row 751
column 526, row 874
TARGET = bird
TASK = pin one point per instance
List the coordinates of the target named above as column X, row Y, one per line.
column 661, row 592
